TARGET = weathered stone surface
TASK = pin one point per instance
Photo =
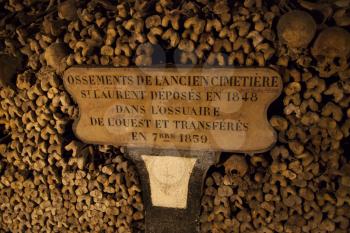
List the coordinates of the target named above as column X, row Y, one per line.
column 217, row 109
column 169, row 177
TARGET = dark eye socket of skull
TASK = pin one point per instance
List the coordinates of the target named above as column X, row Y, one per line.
column 337, row 61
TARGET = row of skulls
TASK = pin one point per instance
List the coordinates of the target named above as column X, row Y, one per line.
column 331, row 48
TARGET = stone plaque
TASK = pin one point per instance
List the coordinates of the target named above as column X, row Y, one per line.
column 172, row 182
column 169, row 177
column 208, row 109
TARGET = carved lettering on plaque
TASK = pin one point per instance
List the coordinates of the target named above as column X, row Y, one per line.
column 217, row 109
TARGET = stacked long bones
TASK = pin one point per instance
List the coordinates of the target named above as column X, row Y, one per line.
column 49, row 181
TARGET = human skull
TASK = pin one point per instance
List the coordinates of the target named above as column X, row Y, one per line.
column 296, row 29
column 236, row 164
column 54, row 55
column 331, row 50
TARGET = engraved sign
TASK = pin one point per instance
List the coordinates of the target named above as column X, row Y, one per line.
column 169, row 177
column 212, row 109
